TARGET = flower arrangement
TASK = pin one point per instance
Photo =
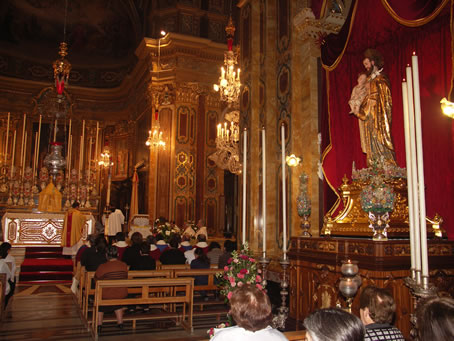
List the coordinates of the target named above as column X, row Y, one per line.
column 166, row 231
column 240, row 270
column 377, row 197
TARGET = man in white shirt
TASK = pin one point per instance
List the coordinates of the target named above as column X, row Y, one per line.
column 5, row 269
column 114, row 223
column 201, row 229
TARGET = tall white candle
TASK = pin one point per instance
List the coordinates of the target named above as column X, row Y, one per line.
column 39, row 142
column 70, row 151
column 264, row 190
column 96, row 144
column 23, row 138
column 80, row 157
column 419, row 152
column 55, row 131
column 13, row 152
column 69, row 134
column 411, row 211
column 284, row 196
column 89, row 158
column 34, row 153
column 244, row 182
column 414, row 184
column 7, row 136
column 23, row 157
column 82, row 144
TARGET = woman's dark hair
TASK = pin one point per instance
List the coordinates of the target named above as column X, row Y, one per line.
column 173, row 242
column 151, row 239
column 435, row 319
column 250, row 307
column 201, row 255
column 3, row 252
column 380, row 303
column 159, row 237
column 214, row 245
column 136, row 238
column 229, row 246
column 120, row 236
column 334, row 324
column 112, row 252
column 91, row 239
column 100, row 244
column 6, row 245
column 145, row 248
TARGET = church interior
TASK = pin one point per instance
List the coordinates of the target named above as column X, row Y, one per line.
column 239, row 114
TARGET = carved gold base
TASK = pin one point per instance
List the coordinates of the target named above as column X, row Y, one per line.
column 351, row 220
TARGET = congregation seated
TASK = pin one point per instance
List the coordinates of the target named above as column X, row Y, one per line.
column 95, row 255
column 435, row 319
column 172, row 255
column 185, row 244
column 120, row 243
column 154, row 252
column 132, row 254
column 377, row 308
column 112, row 269
column 214, row 251
column 85, row 246
column 144, row 262
column 188, row 231
column 333, row 324
column 250, row 307
column 201, row 261
column 161, row 243
column 229, row 247
column 202, row 243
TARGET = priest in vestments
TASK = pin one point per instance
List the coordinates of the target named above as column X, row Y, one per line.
column 72, row 229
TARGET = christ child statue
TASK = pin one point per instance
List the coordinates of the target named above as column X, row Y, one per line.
column 358, row 93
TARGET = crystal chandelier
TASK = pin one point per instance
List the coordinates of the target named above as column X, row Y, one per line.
column 229, row 83
column 227, row 139
column 61, row 66
column 227, row 144
column 154, row 139
column 105, row 159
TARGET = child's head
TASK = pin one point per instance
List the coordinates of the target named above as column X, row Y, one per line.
column 362, row 77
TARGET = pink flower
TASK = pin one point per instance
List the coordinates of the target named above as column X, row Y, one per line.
column 259, row 271
column 244, row 257
column 235, row 260
column 240, row 275
column 252, row 260
column 259, row 286
column 240, row 284
column 258, row 278
column 226, row 268
column 229, row 295
column 229, row 261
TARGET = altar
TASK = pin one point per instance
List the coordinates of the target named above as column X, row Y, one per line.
column 22, row 228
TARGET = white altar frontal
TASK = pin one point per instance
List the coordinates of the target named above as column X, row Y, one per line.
column 38, row 229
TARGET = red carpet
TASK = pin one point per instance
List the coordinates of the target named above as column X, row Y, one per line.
column 45, row 265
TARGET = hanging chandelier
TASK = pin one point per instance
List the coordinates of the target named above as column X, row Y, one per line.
column 229, row 83
column 61, row 66
column 154, row 139
column 106, row 158
column 227, row 144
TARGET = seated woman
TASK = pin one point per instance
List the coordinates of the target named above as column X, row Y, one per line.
column 154, row 253
column 144, row 262
column 250, row 307
column 333, row 324
column 201, row 261
column 120, row 243
column 172, row 255
column 113, row 269
column 132, row 253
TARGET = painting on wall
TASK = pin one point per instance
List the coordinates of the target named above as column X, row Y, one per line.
column 120, row 158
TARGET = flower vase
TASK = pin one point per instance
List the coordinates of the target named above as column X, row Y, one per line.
column 379, row 222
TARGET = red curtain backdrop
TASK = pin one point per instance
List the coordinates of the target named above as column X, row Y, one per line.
column 396, row 28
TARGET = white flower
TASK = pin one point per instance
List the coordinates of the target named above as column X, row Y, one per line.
column 167, row 233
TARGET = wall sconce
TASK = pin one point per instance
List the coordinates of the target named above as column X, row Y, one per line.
column 292, row 160
column 447, row 107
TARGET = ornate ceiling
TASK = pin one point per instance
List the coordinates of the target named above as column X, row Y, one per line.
column 102, row 35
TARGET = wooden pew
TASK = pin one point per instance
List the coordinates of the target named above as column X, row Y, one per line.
column 89, row 292
column 222, row 309
column 299, row 335
column 81, row 291
column 180, row 293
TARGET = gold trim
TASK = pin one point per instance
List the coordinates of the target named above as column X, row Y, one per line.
column 337, row 61
column 328, row 149
column 413, row 23
column 323, row 9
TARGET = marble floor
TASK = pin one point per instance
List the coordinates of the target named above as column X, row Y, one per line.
column 49, row 312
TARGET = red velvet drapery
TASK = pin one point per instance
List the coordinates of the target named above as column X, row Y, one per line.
column 396, row 28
